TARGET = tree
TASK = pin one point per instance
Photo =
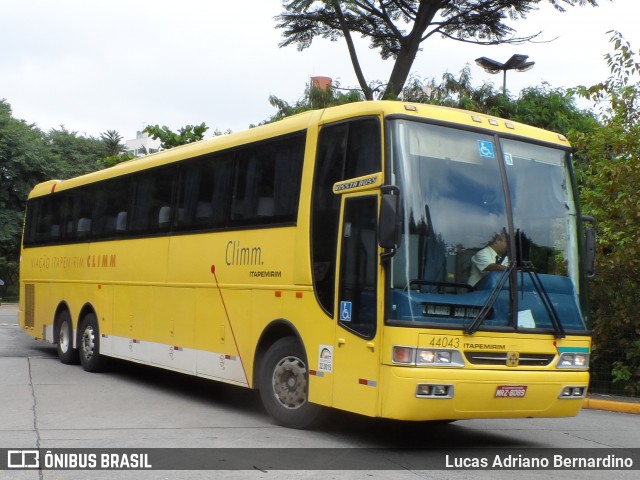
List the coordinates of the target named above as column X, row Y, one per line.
column 170, row 139
column 112, row 143
column 314, row 98
column 29, row 156
column 71, row 154
column 114, row 150
column 23, row 163
column 545, row 107
column 609, row 191
column 397, row 28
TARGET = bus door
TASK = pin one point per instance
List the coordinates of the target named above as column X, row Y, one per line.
column 356, row 358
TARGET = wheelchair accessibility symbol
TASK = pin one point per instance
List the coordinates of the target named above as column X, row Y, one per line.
column 486, row 149
column 345, row 311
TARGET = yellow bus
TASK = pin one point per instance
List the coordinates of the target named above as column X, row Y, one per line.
column 326, row 260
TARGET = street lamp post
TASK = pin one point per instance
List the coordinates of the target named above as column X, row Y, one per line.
column 517, row 62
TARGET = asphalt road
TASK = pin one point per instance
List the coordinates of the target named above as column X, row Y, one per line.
column 45, row 404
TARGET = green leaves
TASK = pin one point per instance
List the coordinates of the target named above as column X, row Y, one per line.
column 609, row 191
column 169, row 138
column 397, row 28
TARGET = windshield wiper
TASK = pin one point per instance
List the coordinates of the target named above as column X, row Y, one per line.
column 529, row 268
column 491, row 300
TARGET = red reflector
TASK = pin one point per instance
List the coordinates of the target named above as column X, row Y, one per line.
column 298, row 294
column 278, row 293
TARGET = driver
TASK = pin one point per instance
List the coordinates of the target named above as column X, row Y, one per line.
column 492, row 258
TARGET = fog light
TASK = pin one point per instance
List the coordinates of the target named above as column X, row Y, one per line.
column 440, row 390
column 573, row 392
column 424, row 390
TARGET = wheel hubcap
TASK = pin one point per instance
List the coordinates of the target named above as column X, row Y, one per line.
column 64, row 337
column 88, row 343
column 290, row 382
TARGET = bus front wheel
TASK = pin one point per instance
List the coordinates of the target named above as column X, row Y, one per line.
column 89, row 345
column 66, row 353
column 284, row 385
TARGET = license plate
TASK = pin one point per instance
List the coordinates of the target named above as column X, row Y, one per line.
column 511, row 391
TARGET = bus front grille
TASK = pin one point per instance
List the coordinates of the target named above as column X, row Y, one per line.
column 509, row 358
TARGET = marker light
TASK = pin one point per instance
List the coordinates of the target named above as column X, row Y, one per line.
column 403, row 354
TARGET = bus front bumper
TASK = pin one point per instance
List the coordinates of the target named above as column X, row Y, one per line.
column 417, row 394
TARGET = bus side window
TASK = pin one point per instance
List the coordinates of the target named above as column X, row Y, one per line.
column 267, row 182
column 78, row 214
column 45, row 219
column 152, row 200
column 203, row 191
column 112, row 200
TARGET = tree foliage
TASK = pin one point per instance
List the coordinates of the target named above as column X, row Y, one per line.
column 397, row 28
column 112, row 143
column 610, row 193
column 23, row 162
column 29, row 156
column 314, row 98
column 169, row 138
column 71, row 154
column 114, row 150
column 543, row 106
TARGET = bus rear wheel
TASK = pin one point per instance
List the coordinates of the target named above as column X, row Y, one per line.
column 66, row 353
column 284, row 385
column 89, row 345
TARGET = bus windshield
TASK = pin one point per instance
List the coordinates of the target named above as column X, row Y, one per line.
column 467, row 220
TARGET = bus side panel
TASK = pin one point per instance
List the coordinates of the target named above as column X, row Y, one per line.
column 50, row 277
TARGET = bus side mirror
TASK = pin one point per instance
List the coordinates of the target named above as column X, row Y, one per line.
column 590, row 247
column 390, row 222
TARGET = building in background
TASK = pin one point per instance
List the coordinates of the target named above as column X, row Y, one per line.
column 142, row 145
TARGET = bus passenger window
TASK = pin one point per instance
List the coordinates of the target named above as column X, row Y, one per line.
column 152, row 201
column 203, row 190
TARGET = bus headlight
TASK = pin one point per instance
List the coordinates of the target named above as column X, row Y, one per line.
column 427, row 357
column 573, row 360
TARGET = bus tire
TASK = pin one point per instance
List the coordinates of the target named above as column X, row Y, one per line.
column 66, row 353
column 89, row 345
column 284, row 382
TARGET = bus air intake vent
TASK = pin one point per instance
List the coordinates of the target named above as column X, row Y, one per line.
column 506, row 358
column 29, row 302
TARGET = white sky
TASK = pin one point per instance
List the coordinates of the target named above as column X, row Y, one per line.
column 97, row 65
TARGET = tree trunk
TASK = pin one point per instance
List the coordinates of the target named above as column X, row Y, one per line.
column 368, row 94
column 409, row 47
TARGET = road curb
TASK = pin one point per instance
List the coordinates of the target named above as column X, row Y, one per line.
column 611, row 405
